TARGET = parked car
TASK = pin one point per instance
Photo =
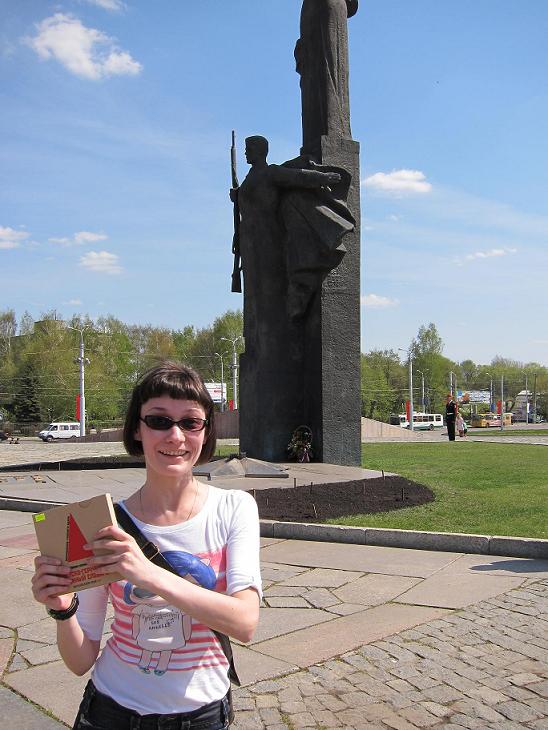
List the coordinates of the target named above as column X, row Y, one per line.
column 60, row 430
column 3, row 436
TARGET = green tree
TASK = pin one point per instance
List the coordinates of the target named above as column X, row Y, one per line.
column 383, row 382
column 26, row 405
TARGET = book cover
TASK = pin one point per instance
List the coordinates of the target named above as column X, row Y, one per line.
column 62, row 533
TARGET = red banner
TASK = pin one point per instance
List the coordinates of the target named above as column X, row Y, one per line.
column 78, row 407
column 408, row 410
column 499, row 407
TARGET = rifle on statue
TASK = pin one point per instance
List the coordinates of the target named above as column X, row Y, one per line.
column 236, row 271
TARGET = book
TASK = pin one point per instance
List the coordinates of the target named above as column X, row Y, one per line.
column 63, row 531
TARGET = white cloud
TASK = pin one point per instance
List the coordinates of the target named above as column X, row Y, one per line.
column 75, row 302
column 80, row 238
column 374, row 301
column 493, row 253
column 398, row 183
column 101, row 262
column 85, row 52
column 10, row 238
column 62, row 241
column 89, row 237
column 115, row 5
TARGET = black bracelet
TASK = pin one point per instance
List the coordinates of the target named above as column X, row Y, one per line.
column 67, row 612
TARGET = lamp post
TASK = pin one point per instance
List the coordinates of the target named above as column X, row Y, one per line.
column 490, row 392
column 234, row 368
column 501, row 402
column 526, row 402
column 410, row 387
column 222, row 382
column 82, row 361
column 422, row 389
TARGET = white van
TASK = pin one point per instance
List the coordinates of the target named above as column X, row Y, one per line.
column 60, row 430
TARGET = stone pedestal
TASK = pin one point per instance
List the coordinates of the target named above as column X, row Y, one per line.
column 332, row 361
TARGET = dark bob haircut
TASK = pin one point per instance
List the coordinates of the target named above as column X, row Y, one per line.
column 179, row 382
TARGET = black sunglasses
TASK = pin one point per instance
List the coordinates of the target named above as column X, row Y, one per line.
column 164, row 423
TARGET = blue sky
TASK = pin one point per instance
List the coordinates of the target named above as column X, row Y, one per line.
column 114, row 160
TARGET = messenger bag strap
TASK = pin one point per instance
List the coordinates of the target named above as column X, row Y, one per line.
column 152, row 552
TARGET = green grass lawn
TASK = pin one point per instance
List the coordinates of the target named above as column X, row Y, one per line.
column 488, row 489
column 508, row 432
column 493, row 489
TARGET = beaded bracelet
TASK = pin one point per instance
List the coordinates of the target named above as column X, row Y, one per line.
column 67, row 612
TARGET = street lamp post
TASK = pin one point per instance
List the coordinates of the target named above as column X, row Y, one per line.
column 222, row 382
column 82, row 361
column 501, row 402
column 411, row 414
column 234, row 368
column 422, row 389
column 490, row 392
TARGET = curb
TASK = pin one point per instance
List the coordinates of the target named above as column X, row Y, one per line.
column 512, row 547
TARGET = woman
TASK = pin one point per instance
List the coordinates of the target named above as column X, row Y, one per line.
column 163, row 664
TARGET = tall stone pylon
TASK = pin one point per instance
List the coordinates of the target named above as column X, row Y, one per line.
column 298, row 234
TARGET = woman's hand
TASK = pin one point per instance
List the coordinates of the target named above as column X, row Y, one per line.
column 50, row 577
column 122, row 556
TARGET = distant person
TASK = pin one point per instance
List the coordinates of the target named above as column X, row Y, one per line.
column 450, row 416
column 164, row 665
column 460, row 425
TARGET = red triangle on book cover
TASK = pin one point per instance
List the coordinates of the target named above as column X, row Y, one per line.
column 76, row 542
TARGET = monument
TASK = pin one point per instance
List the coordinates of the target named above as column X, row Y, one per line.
column 298, row 239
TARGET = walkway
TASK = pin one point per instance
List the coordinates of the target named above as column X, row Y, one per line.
column 351, row 635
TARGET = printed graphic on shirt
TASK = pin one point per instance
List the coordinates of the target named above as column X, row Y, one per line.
column 159, row 637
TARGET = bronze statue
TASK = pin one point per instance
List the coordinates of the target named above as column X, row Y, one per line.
column 321, row 54
column 293, row 217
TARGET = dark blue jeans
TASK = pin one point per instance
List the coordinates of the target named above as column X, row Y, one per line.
column 99, row 712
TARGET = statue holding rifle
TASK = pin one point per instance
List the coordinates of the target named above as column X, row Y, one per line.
column 292, row 221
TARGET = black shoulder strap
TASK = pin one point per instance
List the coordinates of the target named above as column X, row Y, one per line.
column 153, row 553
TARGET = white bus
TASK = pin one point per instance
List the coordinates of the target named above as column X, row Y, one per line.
column 421, row 421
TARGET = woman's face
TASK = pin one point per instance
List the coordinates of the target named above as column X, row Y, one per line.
column 174, row 452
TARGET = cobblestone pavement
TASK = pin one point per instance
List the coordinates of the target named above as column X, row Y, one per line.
column 482, row 667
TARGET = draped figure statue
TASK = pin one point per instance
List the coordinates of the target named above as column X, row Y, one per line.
column 321, row 55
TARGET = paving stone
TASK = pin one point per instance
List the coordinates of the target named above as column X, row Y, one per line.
column 265, row 701
column 290, row 694
column 270, row 716
column 523, row 679
column 540, row 688
column 286, row 602
column 23, row 715
column 434, row 708
column 283, row 621
column 487, row 695
column 302, row 719
column 372, row 590
column 6, row 649
column 292, row 707
column 248, row 721
column 242, row 703
column 321, row 598
column 278, row 590
column 323, row 578
column 517, row 711
column 345, row 609
column 325, row 718
column 419, row 716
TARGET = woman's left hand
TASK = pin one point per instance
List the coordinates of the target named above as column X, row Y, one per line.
column 123, row 556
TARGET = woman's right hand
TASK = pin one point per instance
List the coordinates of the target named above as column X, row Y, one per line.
column 50, row 577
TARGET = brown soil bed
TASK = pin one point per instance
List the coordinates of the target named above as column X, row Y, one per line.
column 320, row 502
